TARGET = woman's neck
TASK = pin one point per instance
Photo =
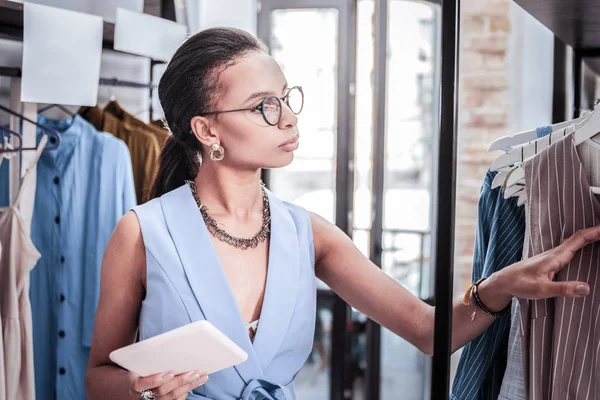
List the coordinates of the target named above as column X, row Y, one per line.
column 225, row 191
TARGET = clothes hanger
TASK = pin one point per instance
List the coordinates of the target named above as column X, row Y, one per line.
column 500, row 177
column 8, row 146
column 60, row 107
column 519, row 154
column 589, row 128
column 518, row 174
column 54, row 135
column 584, row 131
column 522, row 198
column 513, row 191
column 506, row 143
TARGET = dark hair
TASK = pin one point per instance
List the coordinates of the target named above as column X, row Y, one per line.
column 189, row 87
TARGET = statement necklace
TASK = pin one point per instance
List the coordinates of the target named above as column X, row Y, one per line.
column 240, row 243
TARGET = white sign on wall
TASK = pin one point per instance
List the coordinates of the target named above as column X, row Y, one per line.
column 232, row 13
column 61, row 56
column 146, row 35
column 107, row 9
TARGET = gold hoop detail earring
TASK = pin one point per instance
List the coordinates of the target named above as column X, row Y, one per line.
column 217, row 152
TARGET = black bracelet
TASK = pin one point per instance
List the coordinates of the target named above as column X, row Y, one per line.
column 483, row 307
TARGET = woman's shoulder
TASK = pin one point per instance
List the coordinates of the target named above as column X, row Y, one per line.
column 155, row 205
column 298, row 213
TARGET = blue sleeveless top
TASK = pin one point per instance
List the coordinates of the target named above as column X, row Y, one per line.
column 186, row 283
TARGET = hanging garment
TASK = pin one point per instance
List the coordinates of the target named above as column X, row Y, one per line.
column 83, row 188
column 4, row 184
column 498, row 244
column 116, row 110
column 561, row 337
column 4, row 177
column 18, row 256
column 186, row 283
column 143, row 146
column 159, row 123
column 513, row 385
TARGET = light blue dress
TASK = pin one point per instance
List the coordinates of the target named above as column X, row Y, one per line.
column 186, row 283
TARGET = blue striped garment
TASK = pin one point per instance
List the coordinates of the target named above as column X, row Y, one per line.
column 498, row 243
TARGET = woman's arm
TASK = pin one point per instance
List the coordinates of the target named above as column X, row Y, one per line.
column 368, row 289
column 121, row 294
column 122, row 290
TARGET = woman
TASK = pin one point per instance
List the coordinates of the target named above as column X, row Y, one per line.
column 214, row 244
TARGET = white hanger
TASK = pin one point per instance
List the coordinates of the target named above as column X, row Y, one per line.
column 512, row 191
column 588, row 128
column 519, row 154
column 508, row 142
column 516, row 177
column 500, row 178
column 522, row 198
column 583, row 128
column 584, row 131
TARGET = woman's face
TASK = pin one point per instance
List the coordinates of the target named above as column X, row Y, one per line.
column 250, row 142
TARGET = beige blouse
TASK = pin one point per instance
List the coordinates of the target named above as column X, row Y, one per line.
column 18, row 256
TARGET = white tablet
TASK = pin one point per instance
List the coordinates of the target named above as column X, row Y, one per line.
column 198, row 346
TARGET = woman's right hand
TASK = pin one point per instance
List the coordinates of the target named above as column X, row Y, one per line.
column 167, row 386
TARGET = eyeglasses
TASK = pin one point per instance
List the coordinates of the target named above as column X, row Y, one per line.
column 270, row 108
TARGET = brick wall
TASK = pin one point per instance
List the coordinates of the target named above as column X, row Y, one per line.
column 483, row 113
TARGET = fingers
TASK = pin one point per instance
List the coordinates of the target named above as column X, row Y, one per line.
column 182, row 391
column 579, row 240
column 182, row 380
column 567, row 289
column 150, row 382
column 564, row 253
column 167, row 386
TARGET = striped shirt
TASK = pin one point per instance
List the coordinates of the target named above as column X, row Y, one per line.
column 498, row 243
column 561, row 336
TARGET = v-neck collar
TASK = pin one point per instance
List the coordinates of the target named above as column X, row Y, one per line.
column 211, row 286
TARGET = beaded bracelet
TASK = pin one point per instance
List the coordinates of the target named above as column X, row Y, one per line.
column 472, row 292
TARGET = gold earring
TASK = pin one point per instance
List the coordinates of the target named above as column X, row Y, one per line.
column 217, row 152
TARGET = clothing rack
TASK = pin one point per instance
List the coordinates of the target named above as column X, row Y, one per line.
column 575, row 24
column 122, row 83
column 15, row 72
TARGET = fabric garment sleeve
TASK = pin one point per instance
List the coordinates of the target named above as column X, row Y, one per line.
column 116, row 196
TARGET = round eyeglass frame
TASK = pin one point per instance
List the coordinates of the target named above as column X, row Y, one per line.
column 261, row 106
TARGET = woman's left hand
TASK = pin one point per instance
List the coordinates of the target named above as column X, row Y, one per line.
column 533, row 278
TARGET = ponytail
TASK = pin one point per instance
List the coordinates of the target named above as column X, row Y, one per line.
column 178, row 162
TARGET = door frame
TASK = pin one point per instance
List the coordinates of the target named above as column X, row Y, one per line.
column 340, row 381
column 372, row 388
